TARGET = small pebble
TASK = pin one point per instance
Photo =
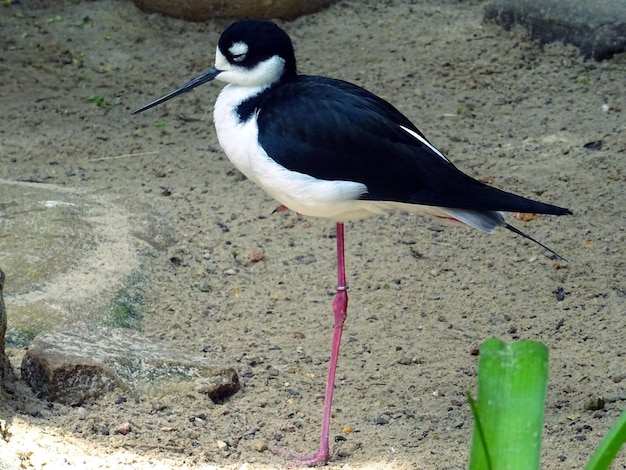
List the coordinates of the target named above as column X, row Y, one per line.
column 559, row 293
column 256, row 256
column 595, row 404
column 82, row 412
column 260, row 446
column 381, row 420
column 123, row 428
column 599, row 414
column 343, row 453
column 221, row 445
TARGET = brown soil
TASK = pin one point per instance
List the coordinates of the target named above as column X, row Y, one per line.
column 423, row 296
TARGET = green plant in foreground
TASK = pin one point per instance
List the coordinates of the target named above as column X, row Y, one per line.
column 610, row 445
column 508, row 412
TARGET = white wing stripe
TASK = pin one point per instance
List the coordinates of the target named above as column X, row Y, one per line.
column 425, row 142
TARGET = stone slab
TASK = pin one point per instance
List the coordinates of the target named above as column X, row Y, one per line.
column 77, row 364
column 6, row 372
column 203, row 10
column 597, row 28
column 70, row 254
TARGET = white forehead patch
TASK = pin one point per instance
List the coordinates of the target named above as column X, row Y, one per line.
column 221, row 63
column 238, row 49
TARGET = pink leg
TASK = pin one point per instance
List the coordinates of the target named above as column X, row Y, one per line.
column 340, row 307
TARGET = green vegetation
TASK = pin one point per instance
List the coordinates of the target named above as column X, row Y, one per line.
column 99, row 101
column 125, row 310
column 19, row 337
column 124, row 314
column 586, row 79
column 508, row 413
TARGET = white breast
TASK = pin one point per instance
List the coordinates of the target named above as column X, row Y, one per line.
column 299, row 192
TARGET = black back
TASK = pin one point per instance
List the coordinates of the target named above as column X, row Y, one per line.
column 334, row 130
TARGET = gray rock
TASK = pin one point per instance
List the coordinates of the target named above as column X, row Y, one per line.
column 6, row 372
column 202, row 10
column 597, row 28
column 77, row 364
column 72, row 254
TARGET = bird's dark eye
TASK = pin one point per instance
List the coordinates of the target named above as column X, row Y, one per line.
column 238, row 51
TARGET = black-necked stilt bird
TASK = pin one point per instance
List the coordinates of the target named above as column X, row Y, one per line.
column 327, row 148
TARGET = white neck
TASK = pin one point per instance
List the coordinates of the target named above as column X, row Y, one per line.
column 231, row 132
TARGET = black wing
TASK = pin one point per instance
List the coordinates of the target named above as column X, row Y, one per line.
column 343, row 132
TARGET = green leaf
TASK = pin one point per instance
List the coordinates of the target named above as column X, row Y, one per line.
column 512, row 379
column 610, row 446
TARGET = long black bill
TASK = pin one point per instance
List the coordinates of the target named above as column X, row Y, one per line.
column 199, row 80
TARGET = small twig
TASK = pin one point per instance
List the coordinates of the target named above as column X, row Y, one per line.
column 151, row 446
column 126, row 155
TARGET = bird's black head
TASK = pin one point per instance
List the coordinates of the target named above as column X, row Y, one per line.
column 255, row 53
column 250, row 53
column 253, row 46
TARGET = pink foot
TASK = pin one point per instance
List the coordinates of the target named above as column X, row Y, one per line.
column 300, row 460
column 284, row 208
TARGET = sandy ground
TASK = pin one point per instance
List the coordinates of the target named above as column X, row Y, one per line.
column 423, row 295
